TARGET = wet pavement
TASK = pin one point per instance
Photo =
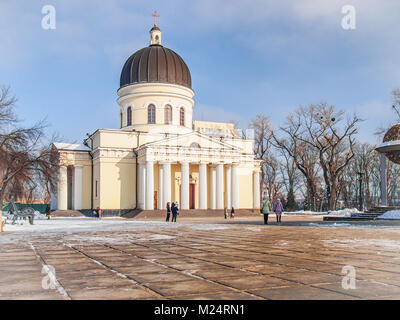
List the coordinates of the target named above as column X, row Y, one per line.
column 200, row 259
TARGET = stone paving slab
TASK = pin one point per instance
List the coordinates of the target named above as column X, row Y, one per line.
column 202, row 259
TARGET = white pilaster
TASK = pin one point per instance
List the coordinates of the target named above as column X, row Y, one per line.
column 220, row 186
column 142, row 186
column 213, row 187
column 167, row 184
column 256, row 190
column 62, row 187
column 203, row 186
column 228, row 186
column 78, row 188
column 161, row 204
column 185, row 186
column 383, row 180
column 235, row 187
column 149, row 185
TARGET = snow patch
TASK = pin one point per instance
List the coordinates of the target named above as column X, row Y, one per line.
column 344, row 212
column 390, row 215
column 385, row 243
column 209, row 227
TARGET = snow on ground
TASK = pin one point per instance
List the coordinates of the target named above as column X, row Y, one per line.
column 338, row 213
column 343, row 212
column 302, row 213
column 386, row 243
column 209, row 227
column 394, row 214
column 71, row 225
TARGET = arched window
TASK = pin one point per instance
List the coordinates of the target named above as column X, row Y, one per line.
column 195, row 145
column 182, row 117
column 151, row 114
column 168, row 114
column 129, row 117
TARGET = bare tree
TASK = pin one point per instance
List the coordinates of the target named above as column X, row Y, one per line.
column 262, row 150
column 27, row 162
column 303, row 155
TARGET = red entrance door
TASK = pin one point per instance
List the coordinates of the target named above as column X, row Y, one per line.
column 191, row 196
column 155, row 200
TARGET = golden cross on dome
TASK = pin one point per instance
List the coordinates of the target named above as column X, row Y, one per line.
column 155, row 15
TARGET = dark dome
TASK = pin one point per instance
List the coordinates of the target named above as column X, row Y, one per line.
column 393, row 134
column 155, row 64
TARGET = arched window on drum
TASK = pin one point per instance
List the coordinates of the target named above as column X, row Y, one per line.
column 151, row 114
column 168, row 114
column 182, row 116
column 129, row 117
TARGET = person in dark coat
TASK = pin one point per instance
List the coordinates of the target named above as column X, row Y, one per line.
column 232, row 213
column 168, row 211
column 48, row 212
column 265, row 209
column 175, row 211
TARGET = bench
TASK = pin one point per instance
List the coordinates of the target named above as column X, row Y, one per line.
column 21, row 214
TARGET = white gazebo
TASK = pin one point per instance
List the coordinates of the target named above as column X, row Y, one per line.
column 390, row 149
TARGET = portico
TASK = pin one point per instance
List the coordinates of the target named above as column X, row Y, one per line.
column 222, row 194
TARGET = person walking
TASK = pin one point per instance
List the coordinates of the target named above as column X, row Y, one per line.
column 99, row 212
column 265, row 209
column 278, row 209
column 226, row 213
column 232, row 213
column 48, row 211
column 175, row 212
column 168, row 211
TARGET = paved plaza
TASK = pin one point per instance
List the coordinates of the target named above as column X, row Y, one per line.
column 208, row 258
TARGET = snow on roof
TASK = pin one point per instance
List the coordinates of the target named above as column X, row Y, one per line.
column 389, row 143
column 71, row 146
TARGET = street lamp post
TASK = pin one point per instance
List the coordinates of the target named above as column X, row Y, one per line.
column 361, row 200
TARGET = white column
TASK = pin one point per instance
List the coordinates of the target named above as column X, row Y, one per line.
column 228, row 186
column 256, row 190
column 383, row 180
column 184, row 186
column 161, row 204
column 235, row 187
column 203, row 186
column 78, row 188
column 142, row 186
column 149, row 185
column 62, row 188
column 220, row 186
column 167, row 183
column 213, row 187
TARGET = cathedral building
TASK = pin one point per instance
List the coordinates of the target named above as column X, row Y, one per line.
column 159, row 154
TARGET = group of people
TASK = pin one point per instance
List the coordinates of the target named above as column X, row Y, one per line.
column 226, row 213
column 266, row 209
column 174, row 209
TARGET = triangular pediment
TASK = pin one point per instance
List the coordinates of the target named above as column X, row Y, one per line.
column 193, row 139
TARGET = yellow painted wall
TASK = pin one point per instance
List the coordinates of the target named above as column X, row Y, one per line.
column 245, row 187
column 117, row 183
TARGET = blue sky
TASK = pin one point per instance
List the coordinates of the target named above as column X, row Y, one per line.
column 246, row 57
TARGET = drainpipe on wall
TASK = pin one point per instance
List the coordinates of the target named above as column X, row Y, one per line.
column 135, row 151
column 92, row 169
